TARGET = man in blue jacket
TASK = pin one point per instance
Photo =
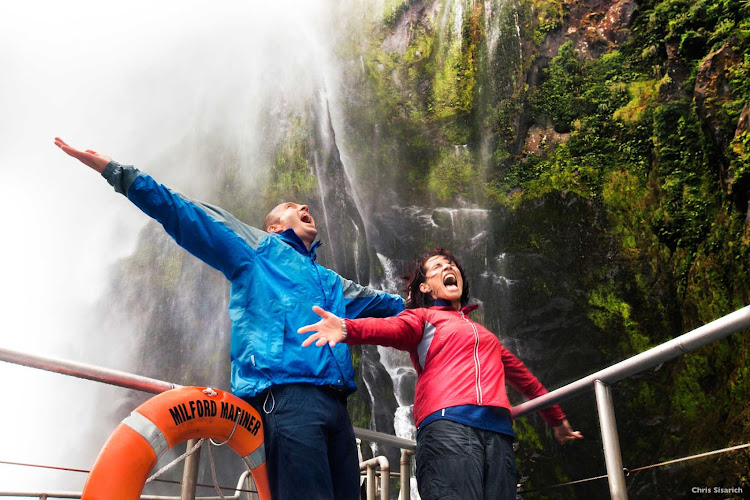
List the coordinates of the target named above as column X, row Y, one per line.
column 300, row 393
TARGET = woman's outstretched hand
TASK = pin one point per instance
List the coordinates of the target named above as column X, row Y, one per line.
column 89, row 157
column 329, row 329
column 564, row 433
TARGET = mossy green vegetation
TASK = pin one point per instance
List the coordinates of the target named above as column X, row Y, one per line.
column 455, row 79
column 550, row 15
column 643, row 93
column 421, row 101
column 637, row 143
column 739, row 164
column 291, row 176
column 560, row 96
column 453, row 175
column 357, row 404
column 612, row 316
column 393, row 10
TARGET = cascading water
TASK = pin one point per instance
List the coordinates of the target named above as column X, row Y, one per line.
column 398, row 229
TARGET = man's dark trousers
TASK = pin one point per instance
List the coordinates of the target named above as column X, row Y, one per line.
column 308, row 431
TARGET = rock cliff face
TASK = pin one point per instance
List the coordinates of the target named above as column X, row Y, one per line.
column 607, row 140
column 588, row 162
column 596, row 27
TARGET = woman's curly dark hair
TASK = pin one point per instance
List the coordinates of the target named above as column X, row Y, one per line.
column 417, row 275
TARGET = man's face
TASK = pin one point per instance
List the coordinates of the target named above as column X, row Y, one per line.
column 297, row 218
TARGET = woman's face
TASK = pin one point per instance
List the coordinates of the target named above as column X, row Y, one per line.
column 443, row 280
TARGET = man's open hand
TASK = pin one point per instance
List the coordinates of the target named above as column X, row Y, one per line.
column 89, row 157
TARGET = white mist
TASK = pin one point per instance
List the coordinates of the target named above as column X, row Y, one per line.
column 131, row 80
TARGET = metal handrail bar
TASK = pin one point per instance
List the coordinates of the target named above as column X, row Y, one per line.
column 392, row 475
column 87, row 371
column 46, row 494
column 77, row 495
column 380, row 437
column 146, row 384
column 74, row 494
column 720, row 328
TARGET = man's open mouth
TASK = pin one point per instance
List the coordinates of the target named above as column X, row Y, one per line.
column 306, row 218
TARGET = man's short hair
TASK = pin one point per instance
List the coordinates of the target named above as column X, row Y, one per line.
column 270, row 220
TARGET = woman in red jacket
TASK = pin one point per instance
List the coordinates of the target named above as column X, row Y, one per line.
column 461, row 410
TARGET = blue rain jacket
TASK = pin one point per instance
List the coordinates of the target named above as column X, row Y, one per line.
column 275, row 282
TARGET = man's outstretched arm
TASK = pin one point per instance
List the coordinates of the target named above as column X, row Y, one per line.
column 210, row 233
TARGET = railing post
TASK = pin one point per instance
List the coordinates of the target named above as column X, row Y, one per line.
column 406, row 474
column 250, row 485
column 385, row 477
column 371, row 485
column 190, row 472
column 610, row 441
column 385, row 483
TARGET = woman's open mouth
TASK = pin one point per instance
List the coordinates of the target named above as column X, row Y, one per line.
column 450, row 281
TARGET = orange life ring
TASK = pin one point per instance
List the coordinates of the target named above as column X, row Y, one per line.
column 166, row 420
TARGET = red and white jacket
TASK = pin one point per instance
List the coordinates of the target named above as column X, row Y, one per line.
column 458, row 361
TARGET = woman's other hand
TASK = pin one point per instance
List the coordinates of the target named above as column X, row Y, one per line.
column 564, row 432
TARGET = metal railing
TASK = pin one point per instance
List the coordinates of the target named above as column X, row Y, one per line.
column 244, row 477
column 599, row 382
column 155, row 386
